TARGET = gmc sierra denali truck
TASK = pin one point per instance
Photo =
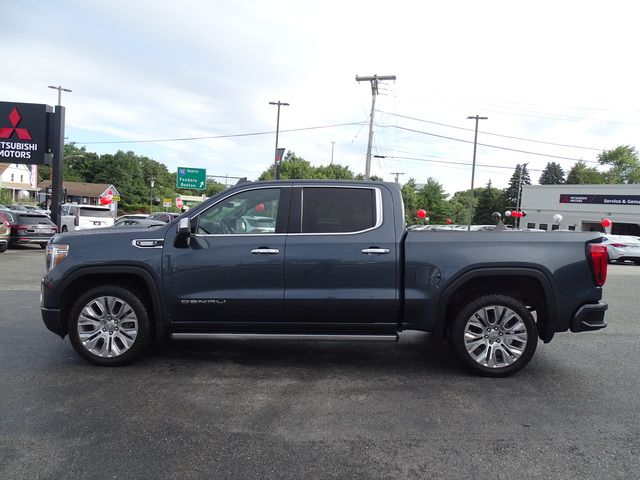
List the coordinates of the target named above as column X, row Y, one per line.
column 323, row 260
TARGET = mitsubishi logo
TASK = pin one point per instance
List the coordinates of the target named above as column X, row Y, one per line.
column 14, row 119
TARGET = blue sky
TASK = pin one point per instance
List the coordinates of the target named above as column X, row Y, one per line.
column 556, row 72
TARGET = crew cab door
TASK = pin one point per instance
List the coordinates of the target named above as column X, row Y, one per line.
column 232, row 270
column 342, row 257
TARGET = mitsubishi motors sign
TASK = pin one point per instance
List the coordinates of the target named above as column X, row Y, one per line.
column 23, row 132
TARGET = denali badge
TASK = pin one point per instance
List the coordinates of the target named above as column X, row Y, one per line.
column 202, row 301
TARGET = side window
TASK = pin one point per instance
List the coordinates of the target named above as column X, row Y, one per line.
column 249, row 212
column 337, row 210
column 64, row 211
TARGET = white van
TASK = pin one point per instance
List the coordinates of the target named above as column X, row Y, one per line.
column 80, row 217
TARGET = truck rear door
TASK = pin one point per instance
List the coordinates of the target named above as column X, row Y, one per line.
column 341, row 258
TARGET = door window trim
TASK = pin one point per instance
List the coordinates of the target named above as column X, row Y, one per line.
column 378, row 206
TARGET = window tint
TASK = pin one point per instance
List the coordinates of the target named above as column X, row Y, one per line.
column 31, row 219
column 250, row 212
column 95, row 212
column 332, row 209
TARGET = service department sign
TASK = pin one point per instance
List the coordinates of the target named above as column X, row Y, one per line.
column 23, row 132
column 600, row 199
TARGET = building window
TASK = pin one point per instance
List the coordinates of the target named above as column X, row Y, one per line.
column 531, row 225
column 544, row 226
column 555, row 227
column 12, row 177
column 572, row 228
column 21, row 178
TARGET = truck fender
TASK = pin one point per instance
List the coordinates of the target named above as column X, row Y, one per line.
column 548, row 329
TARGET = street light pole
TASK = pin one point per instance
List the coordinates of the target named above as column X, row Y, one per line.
column 276, row 165
column 473, row 168
column 152, row 181
column 60, row 90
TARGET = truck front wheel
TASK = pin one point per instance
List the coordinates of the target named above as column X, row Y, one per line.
column 494, row 335
column 109, row 326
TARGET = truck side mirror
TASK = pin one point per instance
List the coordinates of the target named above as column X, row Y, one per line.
column 183, row 231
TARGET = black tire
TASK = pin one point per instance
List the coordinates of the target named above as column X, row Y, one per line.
column 3, row 247
column 509, row 340
column 110, row 336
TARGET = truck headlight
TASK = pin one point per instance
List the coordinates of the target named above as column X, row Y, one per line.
column 55, row 254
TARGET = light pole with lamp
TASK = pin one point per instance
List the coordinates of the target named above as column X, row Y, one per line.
column 60, row 90
column 473, row 169
column 276, row 165
column 152, row 182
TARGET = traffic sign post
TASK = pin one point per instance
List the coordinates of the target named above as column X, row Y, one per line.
column 192, row 178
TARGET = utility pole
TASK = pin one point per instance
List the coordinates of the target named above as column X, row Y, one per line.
column 473, row 168
column 397, row 174
column 374, row 92
column 60, row 90
column 522, row 167
column 276, row 165
column 332, row 145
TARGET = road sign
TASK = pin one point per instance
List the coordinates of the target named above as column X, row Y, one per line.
column 193, row 178
column 166, row 202
column 179, row 203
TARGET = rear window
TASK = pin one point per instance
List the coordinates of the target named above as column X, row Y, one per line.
column 34, row 220
column 10, row 218
column 338, row 210
column 95, row 212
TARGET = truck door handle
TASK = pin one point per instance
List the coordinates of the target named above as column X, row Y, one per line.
column 265, row 251
column 375, row 251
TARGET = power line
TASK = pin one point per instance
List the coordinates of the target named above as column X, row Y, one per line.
column 451, row 162
column 489, row 133
column 486, row 145
column 220, row 136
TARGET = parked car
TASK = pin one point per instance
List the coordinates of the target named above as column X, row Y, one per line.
column 133, row 215
column 339, row 265
column 622, row 248
column 5, row 232
column 81, row 217
column 31, row 228
column 138, row 222
column 165, row 217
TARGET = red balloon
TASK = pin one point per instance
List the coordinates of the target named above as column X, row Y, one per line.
column 260, row 207
column 605, row 222
column 105, row 200
column 421, row 213
column 448, row 221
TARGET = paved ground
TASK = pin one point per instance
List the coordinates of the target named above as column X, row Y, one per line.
column 315, row 410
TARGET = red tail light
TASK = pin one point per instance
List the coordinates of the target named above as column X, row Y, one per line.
column 599, row 261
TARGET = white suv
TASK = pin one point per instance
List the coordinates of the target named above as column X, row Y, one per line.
column 80, row 217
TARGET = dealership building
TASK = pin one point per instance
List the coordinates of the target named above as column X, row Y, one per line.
column 583, row 207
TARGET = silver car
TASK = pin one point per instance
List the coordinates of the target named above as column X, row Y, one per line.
column 622, row 248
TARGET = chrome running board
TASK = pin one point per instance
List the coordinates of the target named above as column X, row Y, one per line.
column 285, row 336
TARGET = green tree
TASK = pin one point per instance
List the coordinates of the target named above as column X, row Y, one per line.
column 490, row 200
column 410, row 200
column 520, row 177
column 553, row 174
column 624, row 164
column 291, row 167
column 433, row 199
column 459, row 206
column 581, row 174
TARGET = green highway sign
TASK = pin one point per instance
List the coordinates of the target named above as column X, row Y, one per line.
column 193, row 178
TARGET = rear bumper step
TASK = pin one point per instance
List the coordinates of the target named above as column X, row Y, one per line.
column 285, row 336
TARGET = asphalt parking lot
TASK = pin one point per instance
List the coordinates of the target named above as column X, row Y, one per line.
column 306, row 410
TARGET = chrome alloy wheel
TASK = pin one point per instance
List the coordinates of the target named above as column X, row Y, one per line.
column 495, row 336
column 107, row 326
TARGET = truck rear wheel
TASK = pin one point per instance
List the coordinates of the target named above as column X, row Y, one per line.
column 494, row 335
column 109, row 326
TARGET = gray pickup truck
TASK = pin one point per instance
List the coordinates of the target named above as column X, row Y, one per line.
column 324, row 260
